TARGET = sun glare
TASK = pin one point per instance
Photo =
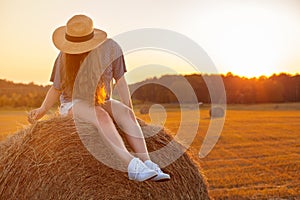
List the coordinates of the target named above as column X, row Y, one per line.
column 250, row 51
column 250, row 40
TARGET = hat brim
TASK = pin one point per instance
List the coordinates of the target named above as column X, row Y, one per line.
column 66, row 46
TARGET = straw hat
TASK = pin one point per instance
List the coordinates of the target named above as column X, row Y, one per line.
column 78, row 36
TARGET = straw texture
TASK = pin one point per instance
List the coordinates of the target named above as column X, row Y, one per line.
column 48, row 161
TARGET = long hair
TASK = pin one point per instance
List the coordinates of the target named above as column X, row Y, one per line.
column 72, row 63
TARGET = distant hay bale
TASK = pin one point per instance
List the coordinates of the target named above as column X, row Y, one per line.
column 144, row 110
column 276, row 107
column 49, row 161
column 216, row 112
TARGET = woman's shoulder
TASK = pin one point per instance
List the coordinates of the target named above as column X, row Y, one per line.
column 109, row 46
column 113, row 43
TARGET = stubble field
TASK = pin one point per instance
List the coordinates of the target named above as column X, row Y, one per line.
column 257, row 155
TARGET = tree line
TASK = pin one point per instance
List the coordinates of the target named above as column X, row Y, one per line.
column 239, row 90
column 21, row 95
column 275, row 89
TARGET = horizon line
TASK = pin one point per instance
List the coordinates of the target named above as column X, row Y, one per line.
column 183, row 74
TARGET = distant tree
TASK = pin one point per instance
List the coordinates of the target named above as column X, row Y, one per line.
column 21, row 95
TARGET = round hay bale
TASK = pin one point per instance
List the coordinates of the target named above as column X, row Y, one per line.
column 49, row 161
column 216, row 112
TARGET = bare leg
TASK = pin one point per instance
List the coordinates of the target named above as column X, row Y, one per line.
column 125, row 118
column 105, row 125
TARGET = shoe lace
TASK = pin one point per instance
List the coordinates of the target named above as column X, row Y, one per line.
column 136, row 169
column 157, row 168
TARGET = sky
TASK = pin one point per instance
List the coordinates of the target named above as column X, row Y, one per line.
column 245, row 37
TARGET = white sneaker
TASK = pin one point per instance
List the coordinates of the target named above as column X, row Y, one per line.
column 161, row 176
column 138, row 171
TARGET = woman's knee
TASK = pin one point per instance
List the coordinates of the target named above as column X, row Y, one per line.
column 125, row 112
column 102, row 115
column 118, row 111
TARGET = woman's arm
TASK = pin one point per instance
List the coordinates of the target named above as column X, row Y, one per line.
column 51, row 98
column 123, row 91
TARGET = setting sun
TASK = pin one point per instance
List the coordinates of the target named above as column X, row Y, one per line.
column 249, row 38
column 251, row 52
column 257, row 44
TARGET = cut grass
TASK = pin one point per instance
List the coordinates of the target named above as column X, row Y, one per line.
column 11, row 121
column 257, row 155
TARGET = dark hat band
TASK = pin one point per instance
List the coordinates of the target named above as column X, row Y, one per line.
column 79, row 39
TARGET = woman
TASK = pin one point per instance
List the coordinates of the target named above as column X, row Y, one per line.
column 84, row 47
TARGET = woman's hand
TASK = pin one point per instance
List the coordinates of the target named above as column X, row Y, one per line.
column 51, row 97
column 36, row 114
